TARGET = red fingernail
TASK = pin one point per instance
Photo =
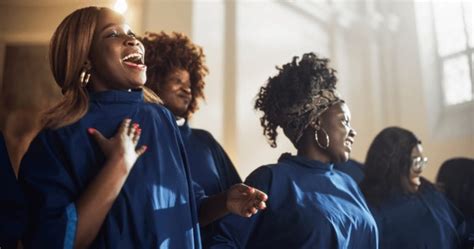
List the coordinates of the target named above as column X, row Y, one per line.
column 145, row 147
column 135, row 125
column 90, row 130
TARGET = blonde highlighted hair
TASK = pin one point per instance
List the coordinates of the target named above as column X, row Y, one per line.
column 69, row 50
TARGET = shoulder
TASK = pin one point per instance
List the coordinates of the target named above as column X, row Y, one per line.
column 266, row 174
column 261, row 178
column 203, row 135
column 427, row 187
column 156, row 109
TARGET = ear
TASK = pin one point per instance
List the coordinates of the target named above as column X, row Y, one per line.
column 317, row 123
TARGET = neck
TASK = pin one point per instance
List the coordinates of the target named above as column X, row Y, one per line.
column 312, row 153
column 308, row 148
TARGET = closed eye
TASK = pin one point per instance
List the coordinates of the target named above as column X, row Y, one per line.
column 113, row 33
column 131, row 34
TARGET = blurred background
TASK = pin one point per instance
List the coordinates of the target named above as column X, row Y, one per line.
column 405, row 63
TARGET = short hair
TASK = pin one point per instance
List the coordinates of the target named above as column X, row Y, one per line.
column 455, row 178
column 167, row 52
column 292, row 87
column 388, row 161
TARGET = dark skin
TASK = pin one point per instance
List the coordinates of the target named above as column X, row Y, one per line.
column 113, row 41
column 336, row 122
column 176, row 92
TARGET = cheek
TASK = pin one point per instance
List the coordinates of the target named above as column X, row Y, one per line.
column 339, row 135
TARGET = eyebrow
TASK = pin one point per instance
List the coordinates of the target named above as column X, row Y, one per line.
column 126, row 27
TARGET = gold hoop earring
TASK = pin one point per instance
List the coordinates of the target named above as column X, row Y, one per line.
column 317, row 139
column 84, row 78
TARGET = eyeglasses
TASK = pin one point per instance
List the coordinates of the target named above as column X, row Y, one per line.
column 418, row 163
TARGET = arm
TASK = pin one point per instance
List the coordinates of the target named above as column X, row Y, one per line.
column 94, row 204
column 239, row 199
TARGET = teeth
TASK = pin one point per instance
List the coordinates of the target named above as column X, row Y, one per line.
column 132, row 55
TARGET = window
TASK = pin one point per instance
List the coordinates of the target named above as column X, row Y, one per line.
column 453, row 22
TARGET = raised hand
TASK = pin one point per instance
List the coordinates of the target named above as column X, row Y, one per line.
column 244, row 200
column 122, row 146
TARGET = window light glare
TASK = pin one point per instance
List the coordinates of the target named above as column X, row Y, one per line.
column 120, row 6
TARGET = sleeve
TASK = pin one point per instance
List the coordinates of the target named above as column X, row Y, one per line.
column 50, row 191
column 235, row 231
column 227, row 172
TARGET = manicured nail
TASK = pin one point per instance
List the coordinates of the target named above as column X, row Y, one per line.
column 135, row 125
column 90, row 130
column 145, row 147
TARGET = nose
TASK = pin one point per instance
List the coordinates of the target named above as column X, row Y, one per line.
column 352, row 132
column 132, row 41
column 187, row 89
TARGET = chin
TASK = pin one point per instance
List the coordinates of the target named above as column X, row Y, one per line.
column 342, row 158
column 136, row 84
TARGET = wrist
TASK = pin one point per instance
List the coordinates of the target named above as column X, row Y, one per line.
column 118, row 162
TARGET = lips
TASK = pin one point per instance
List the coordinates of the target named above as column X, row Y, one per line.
column 348, row 144
column 134, row 59
column 185, row 97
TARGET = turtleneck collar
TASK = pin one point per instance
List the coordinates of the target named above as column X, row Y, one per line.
column 117, row 96
column 300, row 160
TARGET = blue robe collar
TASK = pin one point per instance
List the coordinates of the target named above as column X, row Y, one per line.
column 185, row 130
column 302, row 161
column 117, row 96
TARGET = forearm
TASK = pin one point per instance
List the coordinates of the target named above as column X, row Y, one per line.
column 94, row 204
column 213, row 208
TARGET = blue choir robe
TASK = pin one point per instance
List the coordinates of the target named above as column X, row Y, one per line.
column 469, row 235
column 156, row 207
column 211, row 167
column 352, row 168
column 13, row 215
column 425, row 219
column 310, row 205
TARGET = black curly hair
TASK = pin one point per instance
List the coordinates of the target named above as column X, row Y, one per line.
column 292, row 86
column 388, row 161
column 167, row 52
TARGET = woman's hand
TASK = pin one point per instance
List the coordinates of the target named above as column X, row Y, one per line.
column 244, row 200
column 122, row 146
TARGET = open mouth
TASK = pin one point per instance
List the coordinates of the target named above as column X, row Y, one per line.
column 348, row 144
column 134, row 60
